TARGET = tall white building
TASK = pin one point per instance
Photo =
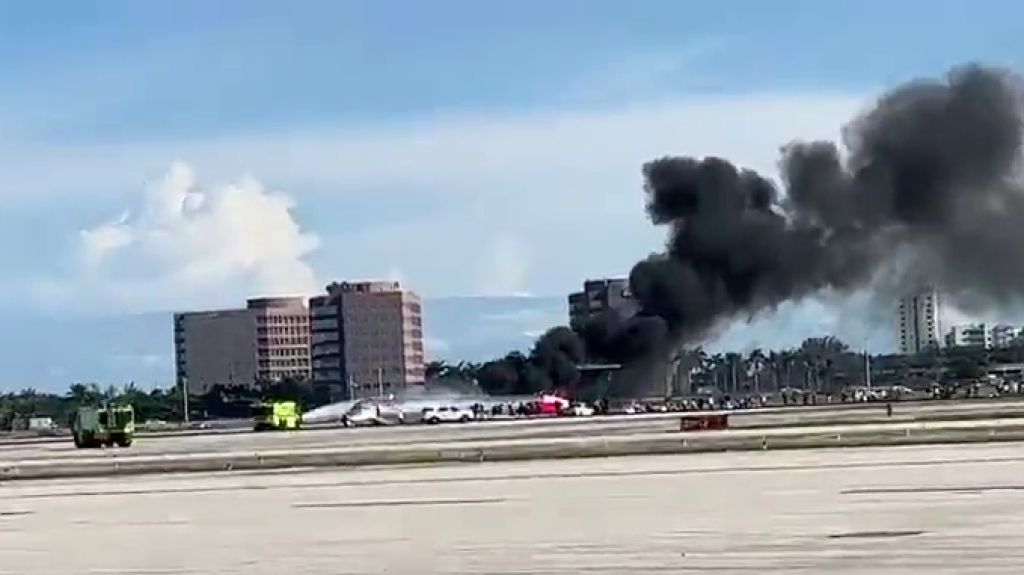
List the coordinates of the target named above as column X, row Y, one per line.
column 918, row 322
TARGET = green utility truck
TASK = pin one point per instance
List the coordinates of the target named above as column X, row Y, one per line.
column 108, row 425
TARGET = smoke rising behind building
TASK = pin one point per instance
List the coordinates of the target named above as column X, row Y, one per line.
column 924, row 188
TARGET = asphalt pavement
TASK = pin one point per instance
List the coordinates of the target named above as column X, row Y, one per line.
column 482, row 431
column 899, row 511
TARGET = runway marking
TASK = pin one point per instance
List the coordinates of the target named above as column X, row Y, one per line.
column 876, row 534
column 937, row 490
column 15, row 513
column 608, row 474
column 399, row 503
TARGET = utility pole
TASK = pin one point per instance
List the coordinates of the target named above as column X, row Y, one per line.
column 380, row 382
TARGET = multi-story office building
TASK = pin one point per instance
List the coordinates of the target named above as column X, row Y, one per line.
column 969, row 335
column 918, row 325
column 1004, row 335
column 215, row 347
column 268, row 340
column 600, row 295
column 282, row 337
column 367, row 338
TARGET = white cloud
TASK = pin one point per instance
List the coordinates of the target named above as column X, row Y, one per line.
column 188, row 246
column 530, row 202
column 468, row 156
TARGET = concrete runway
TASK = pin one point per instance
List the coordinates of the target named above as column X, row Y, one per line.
column 338, row 438
column 897, row 511
column 399, row 435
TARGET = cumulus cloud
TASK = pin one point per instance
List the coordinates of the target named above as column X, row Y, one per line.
column 187, row 246
column 506, row 203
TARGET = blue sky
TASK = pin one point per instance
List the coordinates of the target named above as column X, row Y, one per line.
column 169, row 155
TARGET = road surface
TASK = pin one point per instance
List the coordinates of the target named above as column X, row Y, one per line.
column 898, row 511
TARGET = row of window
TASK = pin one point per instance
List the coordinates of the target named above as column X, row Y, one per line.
column 283, row 363
column 369, row 362
column 368, row 337
column 271, row 374
column 283, row 330
column 367, row 347
column 325, row 337
column 283, row 352
column 275, row 341
column 324, row 324
column 323, row 311
column 290, row 319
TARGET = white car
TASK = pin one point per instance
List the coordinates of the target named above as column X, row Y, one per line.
column 581, row 410
column 445, row 414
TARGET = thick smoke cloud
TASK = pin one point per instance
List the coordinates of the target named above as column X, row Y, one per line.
column 928, row 192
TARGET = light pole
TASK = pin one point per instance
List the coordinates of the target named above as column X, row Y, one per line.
column 184, row 398
column 867, row 364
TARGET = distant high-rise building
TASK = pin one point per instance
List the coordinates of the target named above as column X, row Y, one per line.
column 268, row 340
column 918, row 324
column 969, row 335
column 600, row 295
column 367, row 338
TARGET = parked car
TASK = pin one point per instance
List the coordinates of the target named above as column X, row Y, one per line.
column 581, row 410
column 447, row 414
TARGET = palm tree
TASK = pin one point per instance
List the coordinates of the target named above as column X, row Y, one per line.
column 111, row 393
column 780, row 364
column 694, row 364
column 715, row 370
column 435, row 369
column 755, row 364
column 83, row 394
column 733, row 365
column 76, row 392
column 818, row 355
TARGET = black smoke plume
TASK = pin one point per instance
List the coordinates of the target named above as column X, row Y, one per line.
column 928, row 192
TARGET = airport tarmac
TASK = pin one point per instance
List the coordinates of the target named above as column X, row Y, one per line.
column 479, row 431
column 339, row 438
column 898, row 511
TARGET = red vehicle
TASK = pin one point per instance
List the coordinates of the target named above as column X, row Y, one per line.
column 713, row 421
column 552, row 405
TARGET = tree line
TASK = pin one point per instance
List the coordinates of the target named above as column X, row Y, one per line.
column 823, row 364
column 818, row 364
column 156, row 405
